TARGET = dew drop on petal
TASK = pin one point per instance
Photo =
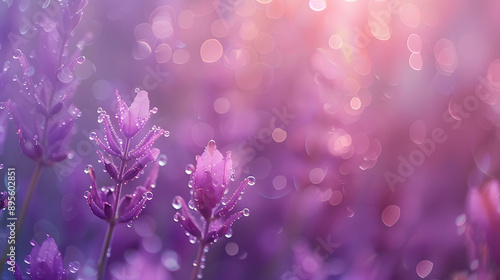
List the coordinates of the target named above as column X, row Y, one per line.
column 251, row 180
column 1, row 165
column 92, row 135
column 108, row 253
column 80, row 59
column 99, row 110
column 17, row 54
column 74, row 266
column 177, row 202
column 154, row 110
column 246, row 212
column 88, row 167
column 162, row 160
column 86, row 194
column 148, row 195
column 177, row 217
column 192, row 239
column 27, row 259
column 190, row 169
column 129, row 224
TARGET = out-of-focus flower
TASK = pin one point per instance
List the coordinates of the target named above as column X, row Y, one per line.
column 209, row 182
column 107, row 203
column 45, row 262
column 47, row 83
column 483, row 204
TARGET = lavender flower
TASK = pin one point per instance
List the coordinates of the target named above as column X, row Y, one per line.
column 42, row 112
column 209, row 182
column 45, row 262
column 106, row 203
column 47, row 84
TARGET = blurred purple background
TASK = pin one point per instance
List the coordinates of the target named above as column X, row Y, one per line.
column 370, row 126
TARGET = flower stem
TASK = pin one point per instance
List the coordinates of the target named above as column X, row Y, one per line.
column 24, row 210
column 104, row 252
column 194, row 273
column 199, row 255
column 101, row 265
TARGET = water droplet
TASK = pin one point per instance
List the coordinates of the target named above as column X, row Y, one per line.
column 93, row 135
column 148, row 195
column 177, row 217
column 191, row 184
column 246, row 212
column 129, row 224
column 190, row 169
column 88, row 167
column 101, row 117
column 86, row 194
column 1, row 165
column 108, row 253
column 99, row 110
column 154, row 110
column 17, row 54
column 177, row 202
column 192, row 239
column 162, row 160
column 80, row 59
column 14, row 78
column 229, row 233
column 205, row 249
column 74, row 266
column 166, row 133
column 27, row 259
column 251, row 180
column 65, row 75
column 137, row 90
column 153, row 186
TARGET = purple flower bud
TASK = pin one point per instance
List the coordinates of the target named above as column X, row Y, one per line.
column 46, row 261
column 133, row 118
column 211, row 177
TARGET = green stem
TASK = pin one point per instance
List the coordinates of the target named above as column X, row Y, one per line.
column 24, row 210
column 101, row 265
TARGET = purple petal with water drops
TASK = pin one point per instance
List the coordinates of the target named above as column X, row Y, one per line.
column 111, row 136
column 134, row 117
column 185, row 218
column 46, row 261
column 231, row 202
column 150, row 156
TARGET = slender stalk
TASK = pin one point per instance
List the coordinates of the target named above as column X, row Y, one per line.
column 24, row 210
column 201, row 248
column 101, row 265
column 104, row 253
column 196, row 268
